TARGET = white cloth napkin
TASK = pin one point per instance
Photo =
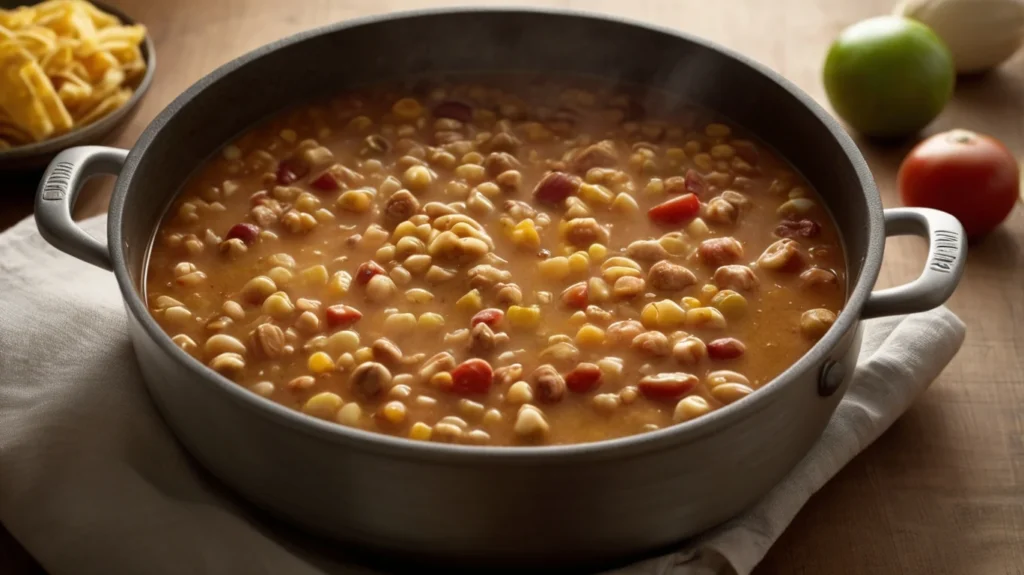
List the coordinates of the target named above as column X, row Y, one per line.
column 91, row 480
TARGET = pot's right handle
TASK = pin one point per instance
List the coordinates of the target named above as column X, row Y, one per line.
column 56, row 197
column 947, row 255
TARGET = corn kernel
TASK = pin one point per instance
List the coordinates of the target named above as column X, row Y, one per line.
column 523, row 317
column 675, row 154
column 664, row 314
column 441, row 380
column 655, row 187
column 590, row 335
column 730, row 303
column 624, row 203
column 525, row 235
column 307, row 202
column 556, row 268
column 612, row 274
column 690, row 303
column 598, row 290
column 323, row 405
column 579, row 262
column 363, row 355
column 674, row 243
column 402, row 230
column 346, row 361
column 519, row 393
column 492, row 416
column 470, row 408
column 339, row 284
column 407, row 109
column 400, row 323
column 706, row 317
column 349, row 414
column 420, row 431
column 578, row 318
column 697, row 228
column 355, row 201
column 472, row 173
column 418, row 295
column 394, row 412
column 431, row 321
column 707, row 292
column 471, row 301
column 417, row 178
column 597, row 252
column 595, row 194
column 315, row 275
column 342, row 342
column 278, row 305
column 320, row 362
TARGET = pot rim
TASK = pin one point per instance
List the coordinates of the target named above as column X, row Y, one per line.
column 629, row 446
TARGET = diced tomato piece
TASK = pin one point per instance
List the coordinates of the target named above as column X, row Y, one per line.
column 367, row 270
column 342, row 315
column 575, row 296
column 245, row 232
column 325, row 182
column 583, row 378
column 676, row 210
column 289, row 171
column 726, row 348
column 695, row 183
column 490, row 316
column 472, row 376
column 667, row 385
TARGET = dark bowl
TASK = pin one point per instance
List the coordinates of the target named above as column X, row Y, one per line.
column 36, row 155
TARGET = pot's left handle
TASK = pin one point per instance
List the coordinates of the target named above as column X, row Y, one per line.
column 56, row 197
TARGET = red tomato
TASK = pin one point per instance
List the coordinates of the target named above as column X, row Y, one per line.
column 583, row 378
column 490, row 316
column 367, row 270
column 342, row 315
column 971, row 176
column 472, row 376
column 675, row 210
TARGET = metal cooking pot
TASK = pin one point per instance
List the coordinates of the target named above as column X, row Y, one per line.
column 555, row 505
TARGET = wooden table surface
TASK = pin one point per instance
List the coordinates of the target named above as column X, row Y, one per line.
column 942, row 492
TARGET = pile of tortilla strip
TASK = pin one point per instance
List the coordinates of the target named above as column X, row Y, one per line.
column 63, row 64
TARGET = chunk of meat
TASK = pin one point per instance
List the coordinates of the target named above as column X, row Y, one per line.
column 498, row 162
column 736, row 277
column 815, row 278
column 628, row 287
column 646, row 250
column 555, row 186
column 667, row 276
column 782, row 256
column 667, row 386
column 599, row 155
column 624, row 332
column 797, row 229
column 717, row 252
column 401, row 206
column 519, row 210
column 548, row 384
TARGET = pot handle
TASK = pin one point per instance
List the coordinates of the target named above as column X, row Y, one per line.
column 947, row 256
column 58, row 191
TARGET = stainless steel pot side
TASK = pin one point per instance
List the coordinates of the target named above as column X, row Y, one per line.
column 555, row 505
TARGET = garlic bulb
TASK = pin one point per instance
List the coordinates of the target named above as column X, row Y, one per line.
column 981, row 34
